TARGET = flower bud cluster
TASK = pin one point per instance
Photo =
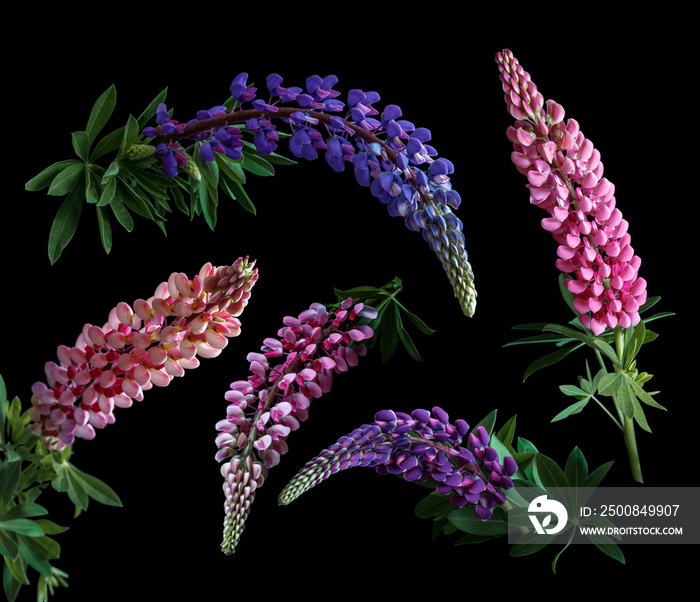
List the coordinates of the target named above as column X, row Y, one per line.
column 137, row 348
column 288, row 373
column 387, row 153
column 419, row 446
column 565, row 178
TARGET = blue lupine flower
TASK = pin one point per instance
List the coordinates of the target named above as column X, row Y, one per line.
column 399, row 166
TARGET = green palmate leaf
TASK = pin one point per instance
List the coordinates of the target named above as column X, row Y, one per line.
column 47, row 176
column 101, row 112
column 68, row 179
column 65, row 224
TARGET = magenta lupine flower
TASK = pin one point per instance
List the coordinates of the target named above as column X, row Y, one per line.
column 288, row 373
column 419, row 446
column 387, row 153
column 150, row 344
column 565, row 178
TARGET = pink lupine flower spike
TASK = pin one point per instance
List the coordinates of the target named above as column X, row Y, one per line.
column 141, row 346
column 565, row 178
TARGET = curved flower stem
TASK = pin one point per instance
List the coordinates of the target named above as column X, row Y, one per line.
column 244, row 115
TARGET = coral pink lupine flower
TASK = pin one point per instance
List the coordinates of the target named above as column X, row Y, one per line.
column 275, row 398
column 565, row 178
column 139, row 347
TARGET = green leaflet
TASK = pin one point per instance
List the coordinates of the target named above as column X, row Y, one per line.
column 388, row 326
column 65, row 224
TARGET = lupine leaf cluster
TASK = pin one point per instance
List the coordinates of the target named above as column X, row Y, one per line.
column 536, row 474
column 27, row 468
column 122, row 177
column 388, row 325
column 573, row 336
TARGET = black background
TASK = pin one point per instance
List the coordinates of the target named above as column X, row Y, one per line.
column 629, row 89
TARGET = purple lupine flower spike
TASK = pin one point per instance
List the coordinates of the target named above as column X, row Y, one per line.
column 387, row 153
column 565, row 178
column 287, row 374
column 420, row 446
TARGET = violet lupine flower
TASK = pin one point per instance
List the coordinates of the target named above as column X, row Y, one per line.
column 288, row 373
column 149, row 344
column 388, row 154
column 419, row 446
column 565, row 178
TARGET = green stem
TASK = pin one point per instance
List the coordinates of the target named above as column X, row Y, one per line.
column 625, row 423
column 632, row 454
column 628, row 422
